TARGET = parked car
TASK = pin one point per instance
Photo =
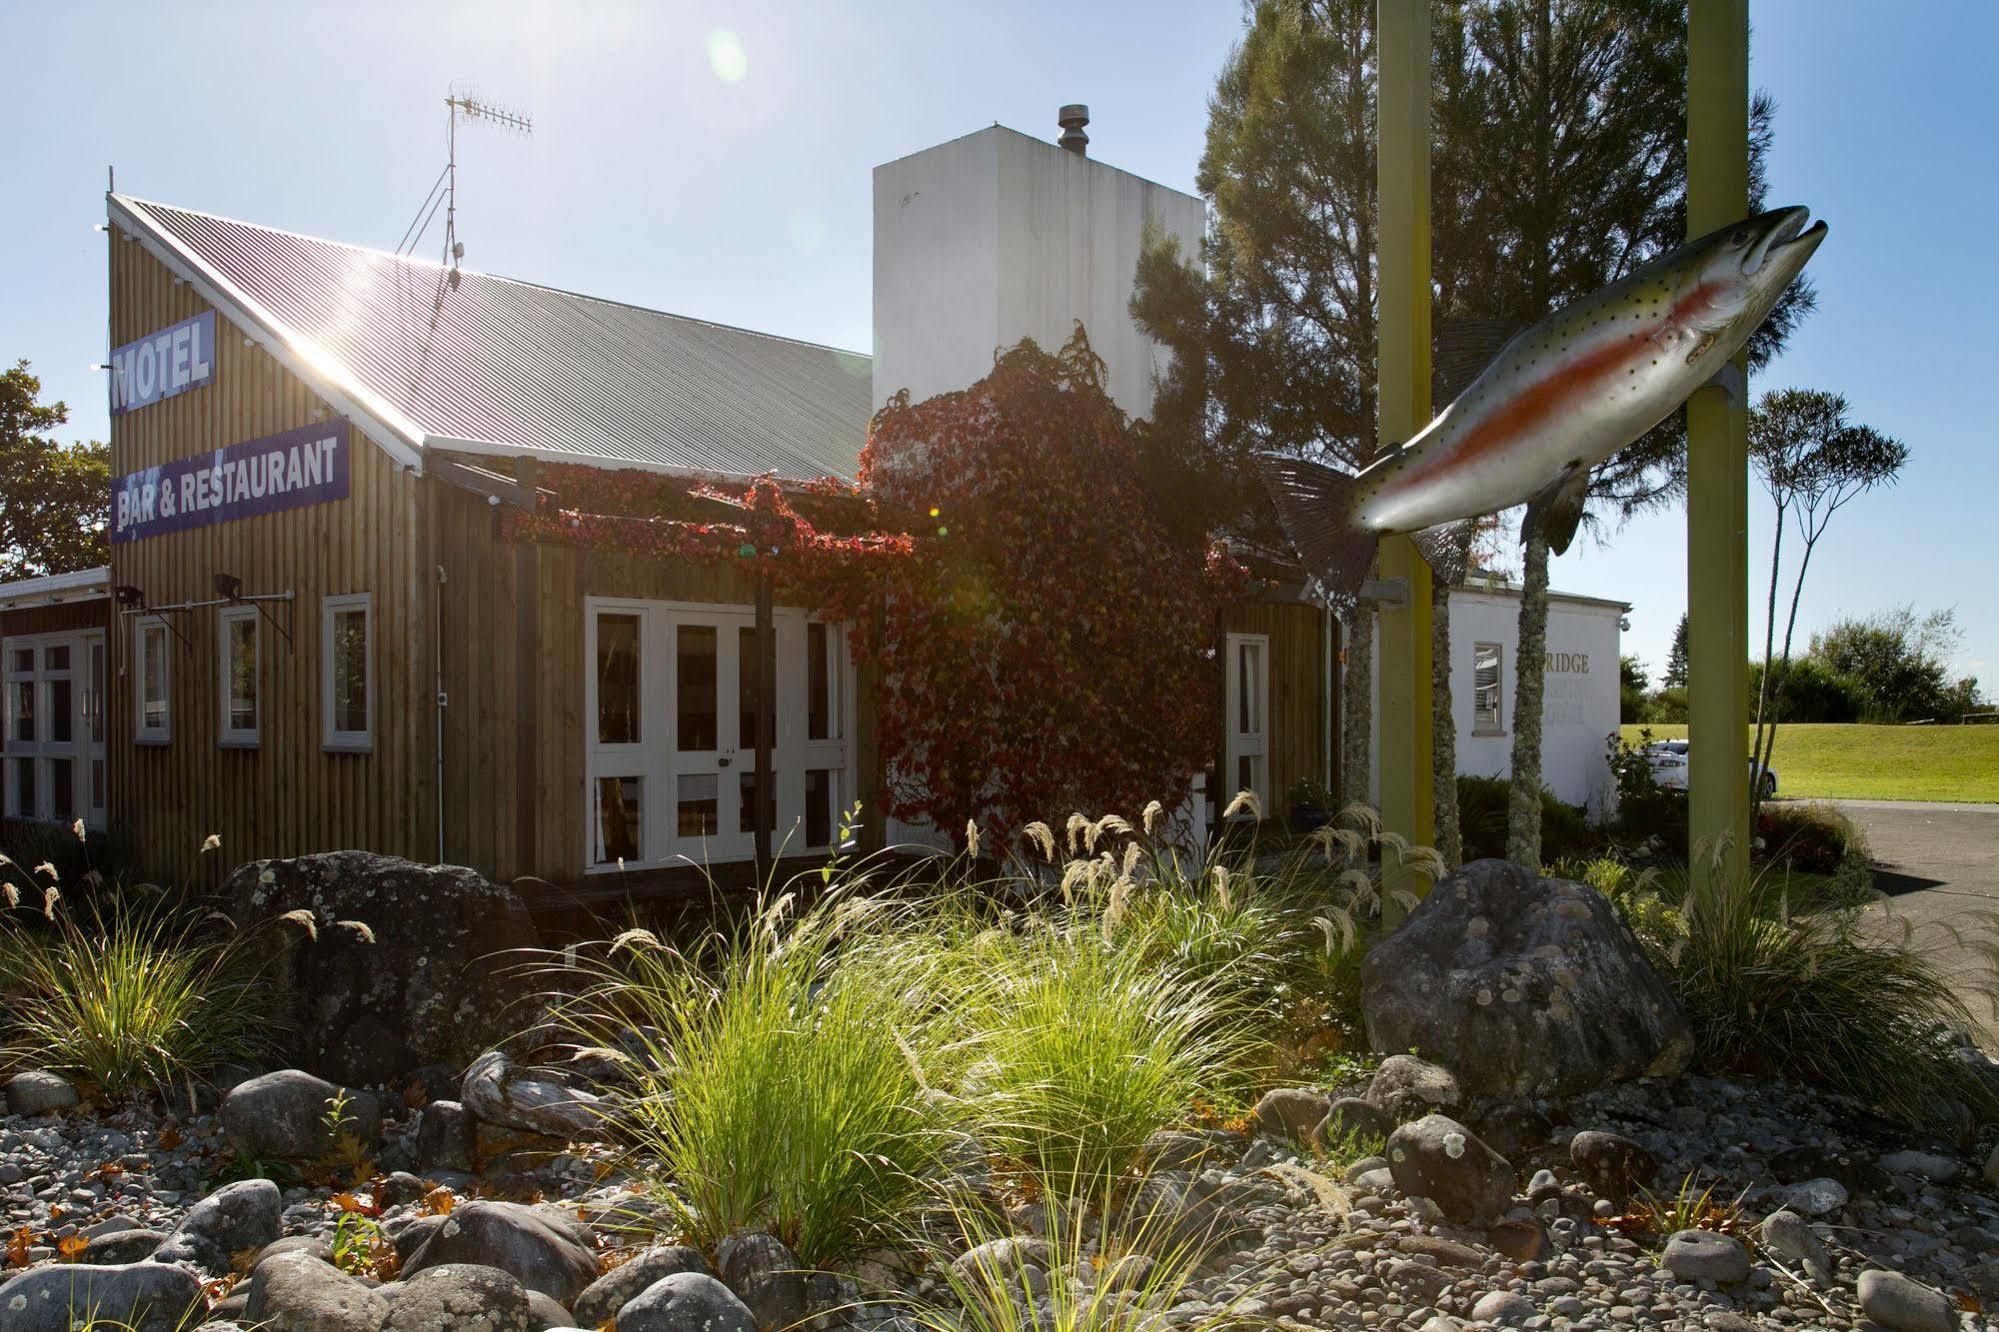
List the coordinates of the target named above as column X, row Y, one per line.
column 1668, row 761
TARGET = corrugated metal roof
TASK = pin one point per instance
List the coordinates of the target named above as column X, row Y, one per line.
column 511, row 367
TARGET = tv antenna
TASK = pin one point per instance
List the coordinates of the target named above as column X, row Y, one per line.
column 444, row 190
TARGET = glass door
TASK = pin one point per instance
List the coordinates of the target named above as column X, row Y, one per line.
column 711, row 767
column 1249, row 720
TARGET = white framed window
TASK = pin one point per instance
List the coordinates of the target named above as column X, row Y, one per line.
column 1248, row 696
column 1486, row 717
column 152, row 681
column 347, row 671
column 239, row 632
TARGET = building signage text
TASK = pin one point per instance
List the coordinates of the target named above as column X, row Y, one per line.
column 287, row 471
column 1566, row 663
column 165, row 363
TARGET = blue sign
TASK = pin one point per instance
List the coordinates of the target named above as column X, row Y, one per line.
column 171, row 361
column 287, row 471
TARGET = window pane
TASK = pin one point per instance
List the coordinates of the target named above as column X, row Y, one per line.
column 62, row 710
column 55, row 657
column 153, row 648
column 93, row 701
column 1245, row 681
column 617, row 679
column 97, row 784
column 24, row 788
column 62, row 790
column 1245, row 779
column 697, row 805
column 818, row 807
column 618, row 806
column 746, row 804
column 750, row 673
column 818, row 684
column 695, row 703
column 243, row 675
column 350, row 670
column 1485, row 684
column 24, row 661
column 24, row 710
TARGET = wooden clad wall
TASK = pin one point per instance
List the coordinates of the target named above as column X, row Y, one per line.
column 286, row 796
column 1299, row 694
column 63, row 617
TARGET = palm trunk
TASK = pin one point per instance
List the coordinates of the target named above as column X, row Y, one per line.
column 1523, row 805
column 1760, row 759
column 1443, row 728
column 1357, row 706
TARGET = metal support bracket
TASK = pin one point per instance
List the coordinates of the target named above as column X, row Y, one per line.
column 1392, row 593
column 1730, row 380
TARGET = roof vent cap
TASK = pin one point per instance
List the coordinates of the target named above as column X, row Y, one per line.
column 1072, row 118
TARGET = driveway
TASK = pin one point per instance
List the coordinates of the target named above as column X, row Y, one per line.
column 1939, row 865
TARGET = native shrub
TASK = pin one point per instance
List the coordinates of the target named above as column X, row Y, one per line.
column 1052, row 647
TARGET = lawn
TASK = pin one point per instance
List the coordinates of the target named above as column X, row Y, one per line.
column 1879, row 762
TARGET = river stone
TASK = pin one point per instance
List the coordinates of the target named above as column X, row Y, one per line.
column 1407, row 1088
column 541, row 1247
column 245, row 1215
column 1440, row 1159
column 1785, row 1232
column 765, row 1275
column 1522, row 985
column 1816, row 1197
column 284, row 1115
column 545, row 1315
column 1614, row 1165
column 459, row 1296
column 1290, row 1112
column 38, row 1093
column 528, row 1100
column 117, row 1247
column 602, row 1298
column 444, row 1136
column 1902, row 1304
column 145, row 1297
column 430, row 989
column 1926, row 1165
column 1502, row 1308
column 1703, row 1255
column 686, row 1302
column 296, row 1292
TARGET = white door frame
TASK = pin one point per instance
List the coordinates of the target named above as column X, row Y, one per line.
column 659, row 764
column 87, row 719
column 1251, row 740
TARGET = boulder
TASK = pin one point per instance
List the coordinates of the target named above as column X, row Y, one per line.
column 686, row 1302
column 1816, row 1197
column 296, row 1292
column 37, row 1093
column 528, row 1100
column 1290, row 1112
column 1615, row 1166
column 545, row 1315
column 142, row 1297
column 766, row 1276
column 1407, row 1088
column 1903, row 1304
column 245, row 1215
column 444, row 1136
column 118, row 1247
column 1704, row 1255
column 1521, row 1238
column 459, row 1295
column 1790, row 1235
column 1514, row 1129
column 602, row 1298
column 998, row 1262
column 287, row 1114
column 1936, row 1168
column 543, row 1248
column 1522, row 985
column 427, row 989
column 1189, row 1149
column 1353, row 1117
column 1440, row 1159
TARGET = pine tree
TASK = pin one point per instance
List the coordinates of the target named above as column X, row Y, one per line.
column 1676, row 659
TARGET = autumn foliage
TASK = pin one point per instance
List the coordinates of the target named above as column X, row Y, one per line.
column 1049, row 645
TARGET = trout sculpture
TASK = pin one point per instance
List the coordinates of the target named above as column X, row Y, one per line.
column 1558, row 398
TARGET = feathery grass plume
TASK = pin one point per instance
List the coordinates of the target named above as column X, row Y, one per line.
column 50, row 896
column 360, row 929
column 1109, row 823
column 305, row 920
column 1075, row 829
column 77, row 829
column 1150, row 815
column 11, row 894
column 1042, row 836
column 636, row 938
column 1244, row 802
column 212, row 842
column 971, row 839
column 1133, row 853
column 46, row 868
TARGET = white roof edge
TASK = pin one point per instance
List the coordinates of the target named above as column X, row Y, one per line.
column 495, row 449
column 1511, row 592
column 81, row 585
column 394, row 433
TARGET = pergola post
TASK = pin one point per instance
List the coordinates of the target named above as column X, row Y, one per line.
column 1402, row 161
column 1717, row 463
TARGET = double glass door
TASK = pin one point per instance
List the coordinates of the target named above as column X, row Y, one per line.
column 672, row 707
column 54, row 764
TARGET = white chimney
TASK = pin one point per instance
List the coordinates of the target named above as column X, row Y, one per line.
column 998, row 236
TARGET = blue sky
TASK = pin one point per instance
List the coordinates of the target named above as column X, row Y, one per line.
column 713, row 160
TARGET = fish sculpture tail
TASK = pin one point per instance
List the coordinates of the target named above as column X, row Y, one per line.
column 1316, row 506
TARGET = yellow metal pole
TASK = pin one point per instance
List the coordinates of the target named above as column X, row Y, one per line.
column 1718, row 462
column 1402, row 163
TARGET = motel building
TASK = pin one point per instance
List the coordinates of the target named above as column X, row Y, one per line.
column 313, row 633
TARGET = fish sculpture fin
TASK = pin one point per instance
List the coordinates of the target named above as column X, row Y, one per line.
column 1446, row 548
column 1558, row 508
column 1315, row 505
column 1464, row 348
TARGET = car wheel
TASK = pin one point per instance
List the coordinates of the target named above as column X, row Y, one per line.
column 1769, row 785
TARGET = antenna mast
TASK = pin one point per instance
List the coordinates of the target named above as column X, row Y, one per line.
column 472, row 109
